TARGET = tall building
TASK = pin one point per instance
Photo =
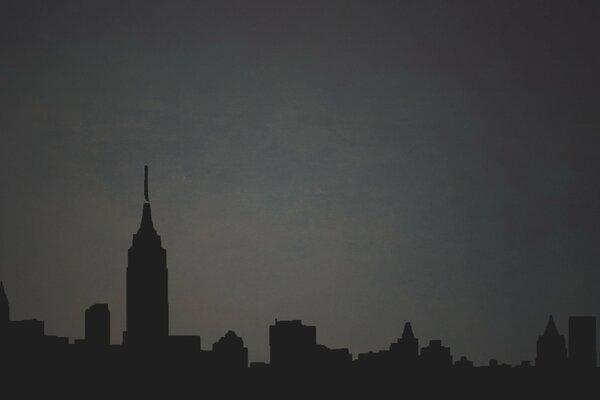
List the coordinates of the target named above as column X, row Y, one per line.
column 405, row 351
column 4, row 309
column 147, row 285
column 551, row 348
column 292, row 344
column 582, row 342
column 97, row 325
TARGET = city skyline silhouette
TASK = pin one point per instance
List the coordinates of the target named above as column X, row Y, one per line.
column 354, row 165
column 293, row 345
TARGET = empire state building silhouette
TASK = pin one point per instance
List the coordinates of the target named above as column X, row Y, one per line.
column 147, row 285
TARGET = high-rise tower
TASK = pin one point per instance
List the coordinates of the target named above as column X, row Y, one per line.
column 551, row 348
column 147, row 285
column 4, row 309
column 405, row 351
column 582, row 342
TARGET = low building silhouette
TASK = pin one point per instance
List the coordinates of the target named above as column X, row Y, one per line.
column 229, row 352
column 18, row 335
column 374, row 360
column 524, row 364
column 97, row 325
column 463, row 363
column 294, row 346
column 26, row 333
column 436, row 356
column 493, row 363
column 331, row 358
column 26, row 336
column 403, row 354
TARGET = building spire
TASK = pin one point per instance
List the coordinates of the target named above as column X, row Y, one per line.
column 408, row 332
column 4, row 309
column 551, row 329
column 146, row 224
column 146, row 183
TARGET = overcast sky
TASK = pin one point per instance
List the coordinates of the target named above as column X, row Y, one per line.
column 354, row 164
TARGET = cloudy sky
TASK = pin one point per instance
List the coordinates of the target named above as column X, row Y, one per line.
column 354, row 164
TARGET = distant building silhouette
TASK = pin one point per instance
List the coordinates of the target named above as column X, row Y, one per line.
column 18, row 334
column 97, row 325
column 582, row 342
column 463, row 363
column 524, row 364
column 294, row 346
column 404, row 353
column 229, row 352
column 436, row 356
column 147, row 285
column 493, row 363
column 291, row 344
column 551, row 348
column 374, row 360
column 24, row 336
column 4, row 310
column 335, row 359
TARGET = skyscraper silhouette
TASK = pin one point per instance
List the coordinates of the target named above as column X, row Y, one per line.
column 292, row 344
column 582, row 342
column 4, row 313
column 4, row 309
column 551, row 348
column 147, row 285
column 405, row 351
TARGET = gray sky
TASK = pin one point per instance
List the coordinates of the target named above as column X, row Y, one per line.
column 354, row 164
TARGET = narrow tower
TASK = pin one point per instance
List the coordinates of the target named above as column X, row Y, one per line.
column 4, row 309
column 147, row 285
